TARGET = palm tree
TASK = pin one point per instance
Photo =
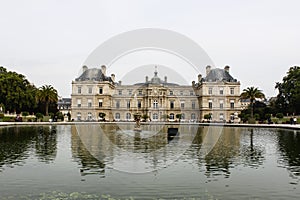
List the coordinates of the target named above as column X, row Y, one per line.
column 46, row 94
column 252, row 93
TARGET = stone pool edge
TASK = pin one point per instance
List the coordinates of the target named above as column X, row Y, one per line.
column 284, row 126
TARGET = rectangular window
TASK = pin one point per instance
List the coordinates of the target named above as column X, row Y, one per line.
column 140, row 92
column 171, row 92
column 231, row 90
column 100, row 90
column 221, row 104
column 191, row 93
column 89, row 103
column 100, row 103
column 79, row 90
column 210, row 104
column 90, row 90
column 193, row 105
column 128, row 104
column 120, row 92
column 171, row 104
column 209, row 90
column 78, row 103
column 139, row 104
column 181, row 93
column 117, row 104
column 181, row 105
column 221, row 91
column 130, row 92
column 232, row 104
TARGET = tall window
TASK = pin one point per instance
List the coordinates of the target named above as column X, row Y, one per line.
column 155, row 104
column 193, row 116
column 210, row 104
column 128, row 104
column 191, row 92
column 221, row 91
column 89, row 103
column 90, row 116
column 78, row 103
column 100, row 103
column 155, row 116
column 79, row 90
column 128, row 116
column 117, row 104
column 232, row 104
column 182, row 105
column 171, row 116
column 90, row 90
column 171, row 104
column 231, row 90
column 171, row 92
column 181, row 93
column 130, row 92
column 78, row 116
column 182, row 116
column 100, row 90
column 140, row 92
column 139, row 104
column 193, row 104
column 117, row 116
column 221, row 116
column 209, row 90
column 221, row 104
column 120, row 92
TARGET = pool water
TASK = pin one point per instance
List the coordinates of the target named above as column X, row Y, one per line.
column 110, row 161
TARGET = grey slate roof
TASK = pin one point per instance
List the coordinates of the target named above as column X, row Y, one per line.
column 93, row 74
column 219, row 75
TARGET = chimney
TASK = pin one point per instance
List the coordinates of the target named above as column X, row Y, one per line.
column 166, row 79
column 84, row 68
column 208, row 68
column 103, row 69
column 199, row 78
column 146, row 79
column 226, row 68
column 120, row 82
column 113, row 77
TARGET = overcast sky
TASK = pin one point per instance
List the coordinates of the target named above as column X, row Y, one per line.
column 48, row 41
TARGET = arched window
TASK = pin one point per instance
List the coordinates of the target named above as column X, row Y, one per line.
column 193, row 116
column 117, row 116
column 171, row 117
column 182, row 116
column 128, row 116
column 78, row 116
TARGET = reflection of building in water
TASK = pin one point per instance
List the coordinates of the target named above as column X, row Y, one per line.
column 118, row 146
column 94, row 93
column 88, row 149
column 222, row 145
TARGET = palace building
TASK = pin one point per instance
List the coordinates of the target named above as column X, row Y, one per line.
column 96, row 96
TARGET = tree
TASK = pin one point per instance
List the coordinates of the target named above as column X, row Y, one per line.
column 16, row 93
column 145, row 117
column 39, row 116
column 251, row 93
column 102, row 116
column 178, row 116
column 288, row 98
column 46, row 94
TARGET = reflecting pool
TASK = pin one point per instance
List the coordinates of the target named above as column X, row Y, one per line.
column 111, row 161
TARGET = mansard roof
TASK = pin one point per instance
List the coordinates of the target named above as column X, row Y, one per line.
column 216, row 75
column 93, row 74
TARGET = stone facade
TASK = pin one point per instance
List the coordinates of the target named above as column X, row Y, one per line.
column 95, row 93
